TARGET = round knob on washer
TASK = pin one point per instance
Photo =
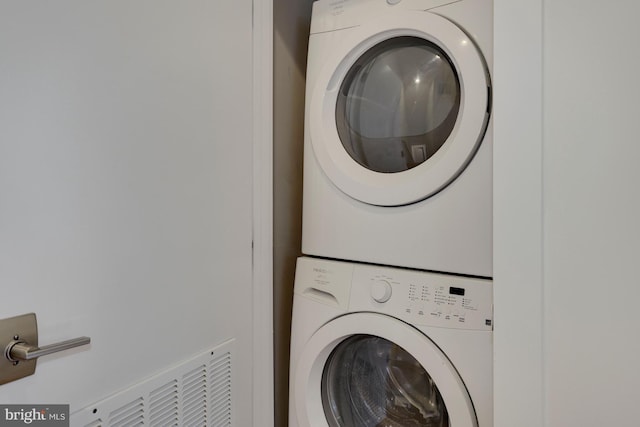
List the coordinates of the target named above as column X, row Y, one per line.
column 381, row 291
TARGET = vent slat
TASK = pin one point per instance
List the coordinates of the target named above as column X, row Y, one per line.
column 195, row 420
column 194, row 373
column 195, row 394
column 221, row 410
column 199, row 412
column 220, row 399
column 134, row 405
column 162, row 390
column 127, row 414
column 194, row 388
column 190, row 412
column 220, row 388
column 222, row 379
column 169, row 420
column 187, row 385
column 166, row 390
column 164, row 401
column 223, row 360
column 164, row 412
column 222, row 420
column 131, row 420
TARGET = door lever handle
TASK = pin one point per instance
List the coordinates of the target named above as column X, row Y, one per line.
column 20, row 350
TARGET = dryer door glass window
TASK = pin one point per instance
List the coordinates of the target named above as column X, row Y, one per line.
column 369, row 382
column 398, row 104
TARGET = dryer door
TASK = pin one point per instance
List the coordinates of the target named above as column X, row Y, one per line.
column 399, row 108
column 369, row 370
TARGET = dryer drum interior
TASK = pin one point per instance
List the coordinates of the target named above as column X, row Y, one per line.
column 369, row 381
column 398, row 104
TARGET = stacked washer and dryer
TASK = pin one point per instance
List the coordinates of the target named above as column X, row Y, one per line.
column 393, row 303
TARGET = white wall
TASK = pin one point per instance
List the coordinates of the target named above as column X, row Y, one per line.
column 566, row 209
column 591, row 211
column 135, row 192
column 517, row 213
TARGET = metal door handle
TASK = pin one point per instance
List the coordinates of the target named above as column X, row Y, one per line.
column 20, row 350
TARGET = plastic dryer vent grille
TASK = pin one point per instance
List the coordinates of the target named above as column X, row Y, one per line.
column 197, row 392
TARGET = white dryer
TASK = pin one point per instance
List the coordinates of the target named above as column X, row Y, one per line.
column 398, row 141
column 377, row 346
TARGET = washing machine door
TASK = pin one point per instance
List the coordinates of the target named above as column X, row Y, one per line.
column 370, row 370
column 399, row 108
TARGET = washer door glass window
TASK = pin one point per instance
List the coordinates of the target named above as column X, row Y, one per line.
column 398, row 104
column 369, row 382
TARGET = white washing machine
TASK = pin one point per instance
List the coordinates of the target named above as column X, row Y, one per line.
column 398, row 141
column 377, row 346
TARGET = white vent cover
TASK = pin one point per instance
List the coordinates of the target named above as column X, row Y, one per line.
column 194, row 393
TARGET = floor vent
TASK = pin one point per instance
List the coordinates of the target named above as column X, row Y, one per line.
column 195, row 393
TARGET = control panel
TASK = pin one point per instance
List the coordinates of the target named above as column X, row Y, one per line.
column 422, row 298
column 417, row 297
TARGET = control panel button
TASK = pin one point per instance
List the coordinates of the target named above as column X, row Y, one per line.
column 381, row 291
